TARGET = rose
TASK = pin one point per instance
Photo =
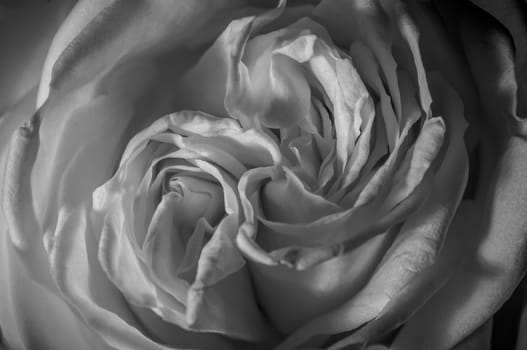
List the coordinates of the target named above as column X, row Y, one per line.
column 62, row 164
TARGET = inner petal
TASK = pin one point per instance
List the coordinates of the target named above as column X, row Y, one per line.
column 285, row 199
column 195, row 198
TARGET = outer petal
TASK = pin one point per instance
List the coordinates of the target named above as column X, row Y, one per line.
column 71, row 165
column 31, row 315
column 27, row 28
column 122, row 97
column 28, row 298
column 512, row 14
column 497, row 260
column 405, row 278
column 99, row 33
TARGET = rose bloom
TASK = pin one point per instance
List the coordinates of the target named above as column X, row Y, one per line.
column 336, row 174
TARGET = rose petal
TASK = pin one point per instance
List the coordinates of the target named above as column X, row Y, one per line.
column 440, row 53
column 381, row 181
column 410, row 36
column 496, row 263
column 285, row 199
column 367, row 221
column 369, row 71
column 68, row 132
column 32, row 316
column 365, row 20
column 207, row 84
column 79, row 51
column 19, row 113
column 132, row 88
column 292, row 297
column 119, row 261
column 83, row 284
column 164, row 248
column 414, row 268
column 418, row 161
column 480, row 339
column 17, row 201
column 222, row 294
column 142, row 275
column 414, row 249
column 488, row 275
column 28, row 28
column 512, row 15
column 28, row 299
column 521, row 342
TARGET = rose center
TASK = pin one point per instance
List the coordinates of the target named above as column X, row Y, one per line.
column 195, row 198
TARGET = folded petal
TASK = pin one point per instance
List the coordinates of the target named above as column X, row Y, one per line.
column 403, row 270
column 419, row 262
column 495, row 262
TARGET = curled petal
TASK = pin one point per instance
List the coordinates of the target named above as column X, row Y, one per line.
column 402, row 277
column 17, row 200
column 496, row 261
column 418, row 263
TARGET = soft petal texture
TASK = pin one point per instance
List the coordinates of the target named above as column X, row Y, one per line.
column 479, row 340
column 27, row 28
column 487, row 276
column 26, row 299
column 402, row 277
column 26, row 308
column 367, row 21
column 123, row 93
column 246, row 75
column 215, row 296
column 293, row 297
column 285, row 199
column 139, row 84
column 71, row 165
column 130, row 28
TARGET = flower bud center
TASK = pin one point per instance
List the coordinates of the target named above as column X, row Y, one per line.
column 196, row 198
